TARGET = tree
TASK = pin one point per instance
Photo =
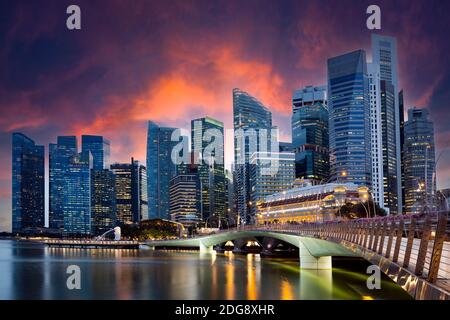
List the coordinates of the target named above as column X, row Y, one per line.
column 360, row 210
column 151, row 229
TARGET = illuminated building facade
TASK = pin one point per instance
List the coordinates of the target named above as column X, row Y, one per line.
column 160, row 169
column 131, row 202
column 309, row 203
column 211, row 172
column 185, row 202
column 99, row 147
column 103, row 205
column 27, row 183
column 310, row 136
column 250, row 117
column 270, row 174
column 60, row 154
column 77, row 195
column 420, row 184
column 349, row 121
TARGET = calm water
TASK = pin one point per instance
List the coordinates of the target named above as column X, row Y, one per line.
column 33, row 271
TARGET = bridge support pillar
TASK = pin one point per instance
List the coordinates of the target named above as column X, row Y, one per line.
column 205, row 249
column 308, row 261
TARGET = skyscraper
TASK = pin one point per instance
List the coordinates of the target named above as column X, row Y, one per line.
column 384, row 54
column 252, row 120
column 420, row 184
column 391, row 172
column 211, row 171
column 143, row 196
column 185, row 199
column 131, row 203
column 401, row 112
column 103, row 196
column 60, row 154
column 349, row 118
column 99, row 148
column 160, row 169
column 310, row 136
column 376, row 141
column 27, row 184
column 270, row 173
column 77, row 195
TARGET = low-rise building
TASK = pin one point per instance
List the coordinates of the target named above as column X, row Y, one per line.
column 309, row 203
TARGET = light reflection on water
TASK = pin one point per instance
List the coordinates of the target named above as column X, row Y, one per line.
column 33, row 271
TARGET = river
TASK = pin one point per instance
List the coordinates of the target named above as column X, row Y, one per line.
column 33, row 271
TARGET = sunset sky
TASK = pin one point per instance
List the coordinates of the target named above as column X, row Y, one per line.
column 173, row 61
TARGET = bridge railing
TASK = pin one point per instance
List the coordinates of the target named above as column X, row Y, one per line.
column 418, row 243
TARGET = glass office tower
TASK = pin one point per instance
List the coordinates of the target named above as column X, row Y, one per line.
column 160, row 169
column 349, row 121
column 250, row 117
column 131, row 202
column 185, row 199
column 270, row 173
column 389, row 147
column 143, row 197
column 310, row 139
column 420, row 182
column 211, row 171
column 77, row 195
column 60, row 154
column 103, row 207
column 384, row 54
column 99, row 148
column 27, row 184
column 376, row 141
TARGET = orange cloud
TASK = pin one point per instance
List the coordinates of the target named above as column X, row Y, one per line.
column 197, row 85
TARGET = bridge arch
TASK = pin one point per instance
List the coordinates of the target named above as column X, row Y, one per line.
column 314, row 253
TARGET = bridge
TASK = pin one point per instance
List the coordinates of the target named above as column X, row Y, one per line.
column 413, row 250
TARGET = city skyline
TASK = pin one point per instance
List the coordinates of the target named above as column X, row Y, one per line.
column 270, row 83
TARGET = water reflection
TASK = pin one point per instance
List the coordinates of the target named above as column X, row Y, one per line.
column 33, row 271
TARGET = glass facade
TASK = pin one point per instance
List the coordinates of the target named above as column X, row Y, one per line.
column 349, row 118
column 389, row 146
column 99, row 148
column 27, row 184
column 60, row 154
column 384, row 54
column 77, row 195
column 270, row 173
column 310, row 140
column 249, row 117
column 212, row 174
column 160, row 169
column 185, row 199
column 103, row 207
column 376, row 142
column 143, row 197
column 420, row 185
column 131, row 202
column 309, row 95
